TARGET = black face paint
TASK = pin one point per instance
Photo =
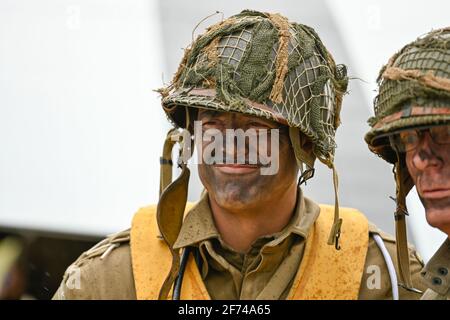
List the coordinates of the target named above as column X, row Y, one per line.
column 250, row 188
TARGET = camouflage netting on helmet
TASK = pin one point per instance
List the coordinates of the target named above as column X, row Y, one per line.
column 260, row 64
column 416, row 76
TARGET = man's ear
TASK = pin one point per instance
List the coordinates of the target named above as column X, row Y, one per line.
column 306, row 144
column 303, row 147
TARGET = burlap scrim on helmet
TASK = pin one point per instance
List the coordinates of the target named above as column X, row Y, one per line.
column 282, row 24
column 427, row 79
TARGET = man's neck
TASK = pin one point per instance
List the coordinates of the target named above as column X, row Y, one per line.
column 240, row 228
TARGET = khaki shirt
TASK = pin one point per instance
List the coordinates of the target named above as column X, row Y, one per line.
column 436, row 274
column 265, row 272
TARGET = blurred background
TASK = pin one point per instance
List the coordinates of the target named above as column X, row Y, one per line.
column 81, row 128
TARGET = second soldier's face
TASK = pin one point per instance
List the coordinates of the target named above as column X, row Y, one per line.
column 242, row 185
column 429, row 167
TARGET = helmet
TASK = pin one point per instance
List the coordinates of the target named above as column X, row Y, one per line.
column 262, row 65
column 259, row 64
column 414, row 91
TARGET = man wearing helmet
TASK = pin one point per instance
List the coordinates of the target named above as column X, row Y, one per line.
column 411, row 129
column 253, row 234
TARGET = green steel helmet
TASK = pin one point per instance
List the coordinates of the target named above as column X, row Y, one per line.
column 414, row 90
column 261, row 64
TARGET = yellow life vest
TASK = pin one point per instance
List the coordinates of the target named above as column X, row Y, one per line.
column 324, row 272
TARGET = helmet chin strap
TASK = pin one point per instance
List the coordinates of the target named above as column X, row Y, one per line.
column 401, row 176
column 308, row 159
column 335, row 232
column 170, row 212
column 173, row 198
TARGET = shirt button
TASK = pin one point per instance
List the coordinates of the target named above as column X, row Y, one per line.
column 443, row 271
column 437, row 281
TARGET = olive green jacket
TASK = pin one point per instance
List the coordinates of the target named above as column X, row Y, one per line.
column 105, row 271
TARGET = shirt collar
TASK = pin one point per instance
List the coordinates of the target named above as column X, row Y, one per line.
column 199, row 224
column 436, row 273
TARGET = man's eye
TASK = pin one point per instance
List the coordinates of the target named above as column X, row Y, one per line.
column 257, row 125
column 210, row 123
column 441, row 134
column 409, row 138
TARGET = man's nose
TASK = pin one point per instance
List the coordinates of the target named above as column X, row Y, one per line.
column 424, row 155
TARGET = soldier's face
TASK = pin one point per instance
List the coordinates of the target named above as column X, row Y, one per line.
column 242, row 185
column 429, row 167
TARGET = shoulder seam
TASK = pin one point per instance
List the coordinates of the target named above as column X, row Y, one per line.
column 102, row 249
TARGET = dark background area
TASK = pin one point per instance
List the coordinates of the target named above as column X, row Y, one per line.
column 44, row 259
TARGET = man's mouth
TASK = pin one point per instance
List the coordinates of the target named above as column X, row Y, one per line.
column 436, row 193
column 236, row 168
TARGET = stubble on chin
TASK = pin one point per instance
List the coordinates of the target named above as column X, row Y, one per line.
column 231, row 191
